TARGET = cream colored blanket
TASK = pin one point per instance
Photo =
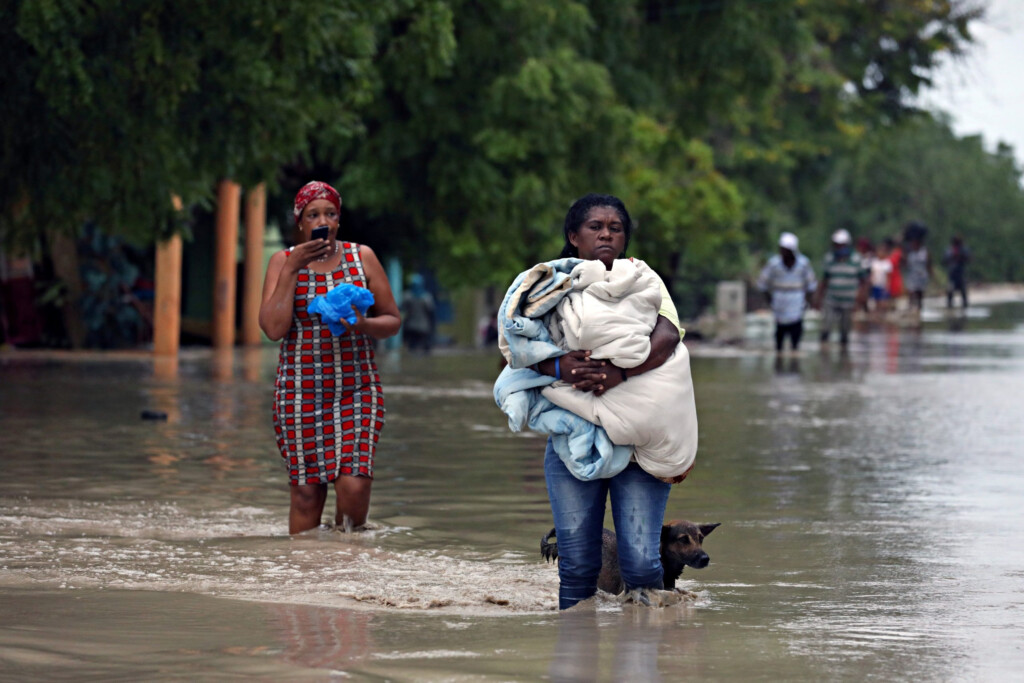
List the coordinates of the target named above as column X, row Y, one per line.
column 612, row 313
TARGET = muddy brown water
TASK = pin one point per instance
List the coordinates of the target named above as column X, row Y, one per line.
column 871, row 508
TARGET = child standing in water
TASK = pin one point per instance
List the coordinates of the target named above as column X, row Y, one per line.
column 881, row 269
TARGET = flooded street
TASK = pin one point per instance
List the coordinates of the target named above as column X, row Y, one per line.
column 871, row 508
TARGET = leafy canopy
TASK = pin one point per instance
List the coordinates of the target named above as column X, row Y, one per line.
column 110, row 108
column 460, row 131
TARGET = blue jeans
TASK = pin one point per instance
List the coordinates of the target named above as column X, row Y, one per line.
column 638, row 510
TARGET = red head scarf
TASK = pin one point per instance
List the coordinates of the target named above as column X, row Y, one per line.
column 312, row 191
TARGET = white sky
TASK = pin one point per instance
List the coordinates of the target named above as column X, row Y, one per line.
column 984, row 92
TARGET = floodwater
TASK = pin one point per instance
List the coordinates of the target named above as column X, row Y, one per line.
column 870, row 503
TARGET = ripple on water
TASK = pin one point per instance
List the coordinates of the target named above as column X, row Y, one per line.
column 236, row 553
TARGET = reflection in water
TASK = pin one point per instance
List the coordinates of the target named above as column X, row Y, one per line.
column 632, row 646
column 577, row 655
column 323, row 637
column 787, row 364
column 892, row 350
column 252, row 363
column 223, row 363
column 165, row 367
column 582, row 646
column 163, row 398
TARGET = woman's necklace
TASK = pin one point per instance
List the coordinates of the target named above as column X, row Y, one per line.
column 331, row 255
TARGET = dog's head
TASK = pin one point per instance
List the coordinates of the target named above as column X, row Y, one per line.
column 683, row 540
column 682, row 545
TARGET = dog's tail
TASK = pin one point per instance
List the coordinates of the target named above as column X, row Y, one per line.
column 549, row 548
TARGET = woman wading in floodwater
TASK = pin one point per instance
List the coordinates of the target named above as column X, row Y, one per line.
column 617, row 363
column 328, row 403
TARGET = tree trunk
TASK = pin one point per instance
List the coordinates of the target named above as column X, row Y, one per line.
column 64, row 255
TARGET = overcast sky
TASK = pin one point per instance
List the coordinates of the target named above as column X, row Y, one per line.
column 985, row 91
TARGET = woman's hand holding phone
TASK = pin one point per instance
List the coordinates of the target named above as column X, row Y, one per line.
column 314, row 249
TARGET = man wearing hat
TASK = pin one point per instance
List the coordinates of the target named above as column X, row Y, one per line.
column 788, row 282
column 843, row 286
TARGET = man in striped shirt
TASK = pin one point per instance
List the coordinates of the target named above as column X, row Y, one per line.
column 843, row 286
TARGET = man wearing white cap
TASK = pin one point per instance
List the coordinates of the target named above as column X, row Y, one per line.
column 788, row 282
column 843, row 286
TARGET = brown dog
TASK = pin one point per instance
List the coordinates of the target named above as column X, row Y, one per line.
column 681, row 546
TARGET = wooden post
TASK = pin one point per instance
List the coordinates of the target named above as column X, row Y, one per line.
column 167, row 304
column 255, row 225
column 225, row 265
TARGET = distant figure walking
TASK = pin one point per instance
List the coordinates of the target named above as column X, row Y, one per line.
column 896, row 274
column 842, row 288
column 881, row 271
column 418, row 316
column 918, row 265
column 955, row 261
column 865, row 251
column 788, row 283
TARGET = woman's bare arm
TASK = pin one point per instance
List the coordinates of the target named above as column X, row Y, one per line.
column 278, row 297
column 664, row 339
column 278, row 300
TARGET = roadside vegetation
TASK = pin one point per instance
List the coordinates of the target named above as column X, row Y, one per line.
column 458, row 132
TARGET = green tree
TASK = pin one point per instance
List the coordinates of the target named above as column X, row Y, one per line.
column 474, row 162
column 695, row 213
column 459, row 131
column 921, row 171
column 110, row 108
column 688, row 110
column 848, row 68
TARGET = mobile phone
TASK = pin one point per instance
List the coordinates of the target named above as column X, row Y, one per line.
column 320, row 232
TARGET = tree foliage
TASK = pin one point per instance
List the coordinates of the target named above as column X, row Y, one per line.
column 476, row 163
column 922, row 172
column 460, row 131
column 706, row 116
column 111, row 108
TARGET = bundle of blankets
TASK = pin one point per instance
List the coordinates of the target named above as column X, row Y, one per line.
column 572, row 304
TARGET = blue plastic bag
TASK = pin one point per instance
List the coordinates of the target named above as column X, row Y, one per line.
column 337, row 304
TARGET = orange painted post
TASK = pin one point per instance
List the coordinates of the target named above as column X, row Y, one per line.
column 167, row 303
column 255, row 225
column 225, row 265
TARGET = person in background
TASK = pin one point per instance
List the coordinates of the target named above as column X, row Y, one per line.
column 489, row 329
column 20, row 323
column 895, row 274
column 955, row 261
column 880, row 269
column 328, row 401
column 842, row 288
column 865, row 251
column 788, row 283
column 418, row 316
column 918, row 265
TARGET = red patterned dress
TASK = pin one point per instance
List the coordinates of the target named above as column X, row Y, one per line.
column 328, row 402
